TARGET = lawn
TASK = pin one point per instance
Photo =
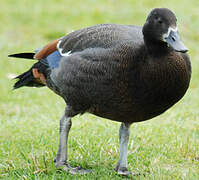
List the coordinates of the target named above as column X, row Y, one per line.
column 166, row 147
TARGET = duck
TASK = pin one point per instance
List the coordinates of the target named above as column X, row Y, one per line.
column 124, row 73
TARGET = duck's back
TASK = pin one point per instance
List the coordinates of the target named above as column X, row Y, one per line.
column 102, row 36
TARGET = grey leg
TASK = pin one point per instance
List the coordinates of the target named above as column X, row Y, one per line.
column 124, row 132
column 61, row 158
column 64, row 128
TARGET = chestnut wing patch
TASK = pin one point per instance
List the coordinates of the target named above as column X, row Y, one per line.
column 47, row 50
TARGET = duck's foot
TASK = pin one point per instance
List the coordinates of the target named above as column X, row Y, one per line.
column 72, row 170
column 123, row 171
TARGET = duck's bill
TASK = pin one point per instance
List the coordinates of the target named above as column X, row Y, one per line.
column 174, row 41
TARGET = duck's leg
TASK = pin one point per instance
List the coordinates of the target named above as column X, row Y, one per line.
column 124, row 133
column 64, row 128
column 61, row 158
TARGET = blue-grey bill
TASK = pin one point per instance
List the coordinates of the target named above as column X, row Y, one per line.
column 174, row 41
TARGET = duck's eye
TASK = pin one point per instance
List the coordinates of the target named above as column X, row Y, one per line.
column 159, row 20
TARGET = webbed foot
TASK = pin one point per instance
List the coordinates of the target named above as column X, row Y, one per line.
column 73, row 170
column 122, row 171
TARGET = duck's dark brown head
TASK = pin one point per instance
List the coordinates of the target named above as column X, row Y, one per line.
column 161, row 28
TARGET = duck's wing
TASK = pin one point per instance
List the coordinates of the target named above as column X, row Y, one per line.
column 95, row 54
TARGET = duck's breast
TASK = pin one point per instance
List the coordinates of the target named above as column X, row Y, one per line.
column 160, row 83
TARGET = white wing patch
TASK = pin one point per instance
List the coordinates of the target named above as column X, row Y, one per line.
column 61, row 49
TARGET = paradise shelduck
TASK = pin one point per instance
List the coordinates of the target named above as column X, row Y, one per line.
column 123, row 73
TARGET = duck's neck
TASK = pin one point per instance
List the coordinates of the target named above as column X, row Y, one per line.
column 156, row 48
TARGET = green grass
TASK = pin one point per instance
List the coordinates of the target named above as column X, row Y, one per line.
column 166, row 147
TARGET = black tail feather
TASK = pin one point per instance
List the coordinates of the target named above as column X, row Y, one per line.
column 23, row 79
column 23, row 55
column 26, row 79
